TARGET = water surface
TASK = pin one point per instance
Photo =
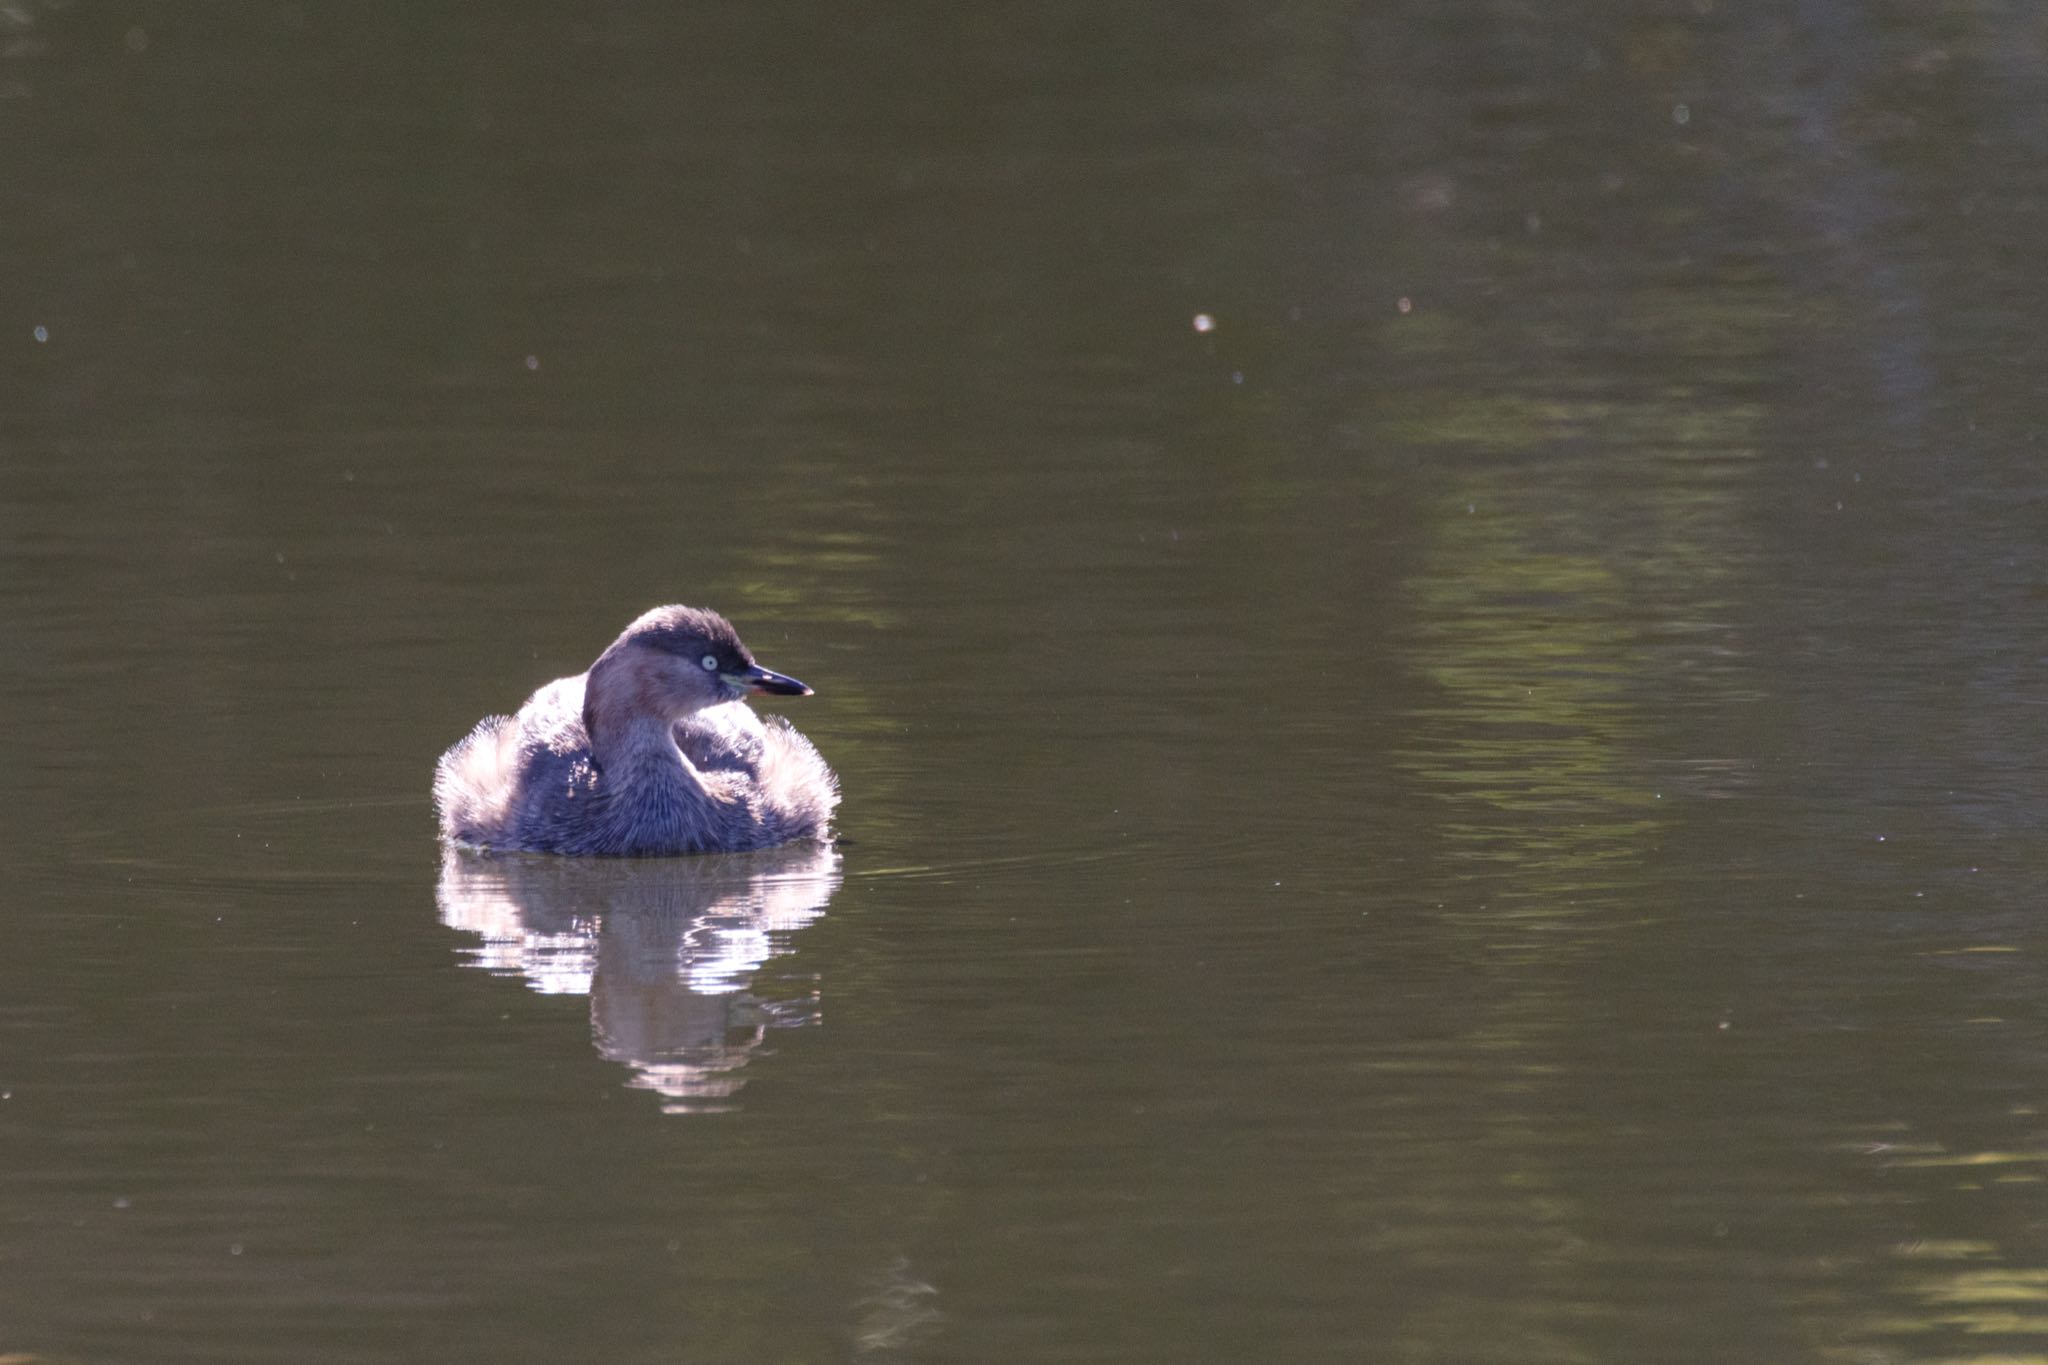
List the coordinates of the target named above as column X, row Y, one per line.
column 1480, row 804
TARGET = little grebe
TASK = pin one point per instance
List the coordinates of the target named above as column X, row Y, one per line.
column 651, row 752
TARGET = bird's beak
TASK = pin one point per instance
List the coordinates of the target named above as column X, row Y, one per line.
column 758, row 679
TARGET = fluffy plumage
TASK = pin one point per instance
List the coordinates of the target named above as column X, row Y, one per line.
column 650, row 752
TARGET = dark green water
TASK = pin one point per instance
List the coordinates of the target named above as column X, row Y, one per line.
column 1481, row 802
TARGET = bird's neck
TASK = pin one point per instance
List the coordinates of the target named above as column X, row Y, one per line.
column 633, row 746
column 655, row 799
column 627, row 727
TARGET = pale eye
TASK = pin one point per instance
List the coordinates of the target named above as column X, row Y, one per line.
column 710, row 662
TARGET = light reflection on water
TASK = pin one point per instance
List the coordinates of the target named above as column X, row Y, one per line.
column 1571, row 612
column 670, row 951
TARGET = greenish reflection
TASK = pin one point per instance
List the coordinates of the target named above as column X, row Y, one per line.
column 1567, row 610
column 1558, row 615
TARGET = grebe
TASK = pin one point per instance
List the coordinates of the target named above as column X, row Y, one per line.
column 651, row 752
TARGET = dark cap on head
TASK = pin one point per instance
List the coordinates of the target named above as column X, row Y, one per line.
column 694, row 632
column 690, row 631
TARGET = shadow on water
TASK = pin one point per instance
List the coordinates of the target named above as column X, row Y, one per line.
column 670, row 951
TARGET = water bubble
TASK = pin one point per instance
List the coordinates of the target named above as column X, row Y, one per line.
column 42, row 333
column 1204, row 323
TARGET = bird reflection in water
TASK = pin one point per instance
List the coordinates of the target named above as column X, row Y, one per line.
column 668, row 951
